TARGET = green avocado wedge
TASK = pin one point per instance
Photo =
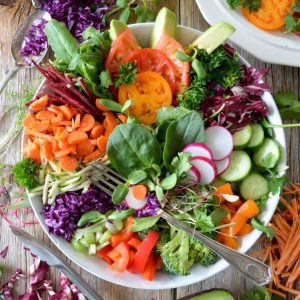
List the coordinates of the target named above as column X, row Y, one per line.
column 215, row 294
column 166, row 21
column 213, row 37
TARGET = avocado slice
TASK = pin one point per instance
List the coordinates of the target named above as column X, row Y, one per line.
column 166, row 21
column 213, row 37
column 214, row 294
column 116, row 28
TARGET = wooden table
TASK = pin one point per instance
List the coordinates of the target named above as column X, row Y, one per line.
column 280, row 77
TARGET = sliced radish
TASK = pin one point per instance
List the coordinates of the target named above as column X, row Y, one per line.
column 194, row 175
column 220, row 142
column 206, row 167
column 222, row 165
column 133, row 202
column 198, row 149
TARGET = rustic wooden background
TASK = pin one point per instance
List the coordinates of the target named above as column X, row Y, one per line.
column 280, row 77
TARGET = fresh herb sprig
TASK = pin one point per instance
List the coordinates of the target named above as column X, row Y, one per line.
column 292, row 21
column 257, row 224
column 126, row 74
column 288, row 104
column 252, row 5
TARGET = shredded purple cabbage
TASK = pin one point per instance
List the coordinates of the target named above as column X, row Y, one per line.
column 77, row 15
column 63, row 215
column 7, row 288
column 3, row 252
column 241, row 105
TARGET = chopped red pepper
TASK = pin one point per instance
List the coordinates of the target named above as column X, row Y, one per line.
column 134, row 243
column 131, row 259
column 125, row 235
column 144, row 251
column 122, row 261
column 149, row 271
column 103, row 253
column 158, row 262
column 113, row 254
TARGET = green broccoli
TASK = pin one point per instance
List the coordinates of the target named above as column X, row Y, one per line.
column 175, row 253
column 201, row 253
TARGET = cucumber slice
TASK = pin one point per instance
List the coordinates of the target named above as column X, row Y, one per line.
column 254, row 186
column 242, row 137
column 90, row 238
column 78, row 246
column 239, row 168
column 267, row 155
column 257, row 137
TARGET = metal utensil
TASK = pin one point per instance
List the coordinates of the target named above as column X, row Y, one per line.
column 52, row 259
column 17, row 43
column 255, row 270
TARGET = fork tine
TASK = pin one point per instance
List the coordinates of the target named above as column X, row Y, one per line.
column 106, row 183
column 106, row 168
column 104, row 189
column 102, row 171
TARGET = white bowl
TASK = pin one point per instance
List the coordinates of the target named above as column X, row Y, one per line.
column 271, row 46
column 198, row 273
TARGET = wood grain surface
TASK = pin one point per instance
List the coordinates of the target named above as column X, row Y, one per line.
column 280, row 77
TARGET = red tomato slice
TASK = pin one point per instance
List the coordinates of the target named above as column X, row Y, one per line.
column 120, row 48
column 169, row 46
column 148, row 59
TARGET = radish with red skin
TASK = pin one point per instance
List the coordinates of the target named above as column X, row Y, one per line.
column 194, row 175
column 198, row 149
column 206, row 167
column 222, row 165
column 220, row 142
column 133, row 202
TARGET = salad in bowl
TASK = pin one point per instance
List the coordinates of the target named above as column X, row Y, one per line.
column 181, row 118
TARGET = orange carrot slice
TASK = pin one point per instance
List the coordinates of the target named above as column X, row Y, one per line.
column 56, row 120
column 140, row 191
column 77, row 136
column 85, row 148
column 45, row 115
column 46, row 150
column 249, row 209
column 97, row 131
column 68, row 163
column 87, row 122
column 239, row 221
column 62, row 152
column 66, row 111
column 46, row 137
column 245, row 230
column 102, row 143
column 94, row 155
column 39, row 104
column 28, row 120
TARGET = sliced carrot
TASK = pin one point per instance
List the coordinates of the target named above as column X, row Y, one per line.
column 74, row 110
column 97, row 131
column 46, row 150
column 46, row 137
column 225, row 189
column 77, row 136
column 45, row 115
column 72, row 149
column 63, row 135
column 245, row 230
column 67, row 112
column 85, row 148
column 101, row 106
column 87, row 122
column 77, row 121
column 33, row 152
column 230, row 242
column 239, row 221
column 122, row 118
column 102, row 143
column 61, row 153
column 39, row 104
column 63, row 144
column 68, row 163
column 54, row 109
column 28, row 120
column 90, row 157
column 56, row 120
column 140, row 191
column 66, row 123
column 249, row 209
column 111, row 119
column 55, row 146
column 109, row 129
column 42, row 126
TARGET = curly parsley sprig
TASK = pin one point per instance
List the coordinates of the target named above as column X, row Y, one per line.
column 126, row 74
column 252, row 5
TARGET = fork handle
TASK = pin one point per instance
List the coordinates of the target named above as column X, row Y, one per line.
column 255, row 270
column 8, row 75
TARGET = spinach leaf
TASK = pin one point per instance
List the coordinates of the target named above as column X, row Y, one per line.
column 170, row 113
column 188, row 129
column 90, row 217
column 131, row 147
column 144, row 223
column 120, row 193
column 137, row 176
column 62, row 42
column 121, row 215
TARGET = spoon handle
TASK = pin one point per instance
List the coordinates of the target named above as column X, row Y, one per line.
column 255, row 270
column 7, row 77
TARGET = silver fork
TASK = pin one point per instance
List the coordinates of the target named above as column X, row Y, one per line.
column 255, row 270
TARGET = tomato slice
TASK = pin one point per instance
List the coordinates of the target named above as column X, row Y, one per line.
column 121, row 47
column 148, row 59
column 149, row 92
column 169, row 46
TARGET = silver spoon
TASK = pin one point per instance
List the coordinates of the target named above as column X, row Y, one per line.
column 17, row 43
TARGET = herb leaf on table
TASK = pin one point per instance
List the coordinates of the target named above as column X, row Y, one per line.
column 288, row 104
column 257, row 224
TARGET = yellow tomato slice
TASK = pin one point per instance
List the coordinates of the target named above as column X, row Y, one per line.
column 149, row 92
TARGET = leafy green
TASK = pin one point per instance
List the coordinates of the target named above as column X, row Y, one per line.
column 260, row 293
column 188, row 129
column 276, row 183
column 119, row 193
column 131, row 147
column 257, row 224
column 137, row 176
column 121, row 215
column 218, row 215
column 126, row 74
column 288, row 105
column 169, row 182
column 105, row 79
column 292, row 23
column 234, row 3
column 171, row 113
column 141, row 224
column 25, row 173
column 181, row 164
column 90, row 217
column 252, row 5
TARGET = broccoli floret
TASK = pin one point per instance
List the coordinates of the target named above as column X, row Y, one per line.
column 175, row 253
column 201, row 253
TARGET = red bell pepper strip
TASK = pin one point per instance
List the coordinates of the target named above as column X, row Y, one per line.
column 113, row 254
column 149, row 271
column 131, row 259
column 158, row 262
column 144, row 251
column 134, row 243
column 103, row 253
column 121, row 263
column 125, row 235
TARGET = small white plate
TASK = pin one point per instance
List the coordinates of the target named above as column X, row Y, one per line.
column 198, row 273
column 271, row 46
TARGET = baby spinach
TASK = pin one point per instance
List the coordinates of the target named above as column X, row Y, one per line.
column 137, row 176
column 141, row 224
column 170, row 113
column 90, row 217
column 121, row 215
column 131, row 147
column 120, row 193
column 188, row 129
